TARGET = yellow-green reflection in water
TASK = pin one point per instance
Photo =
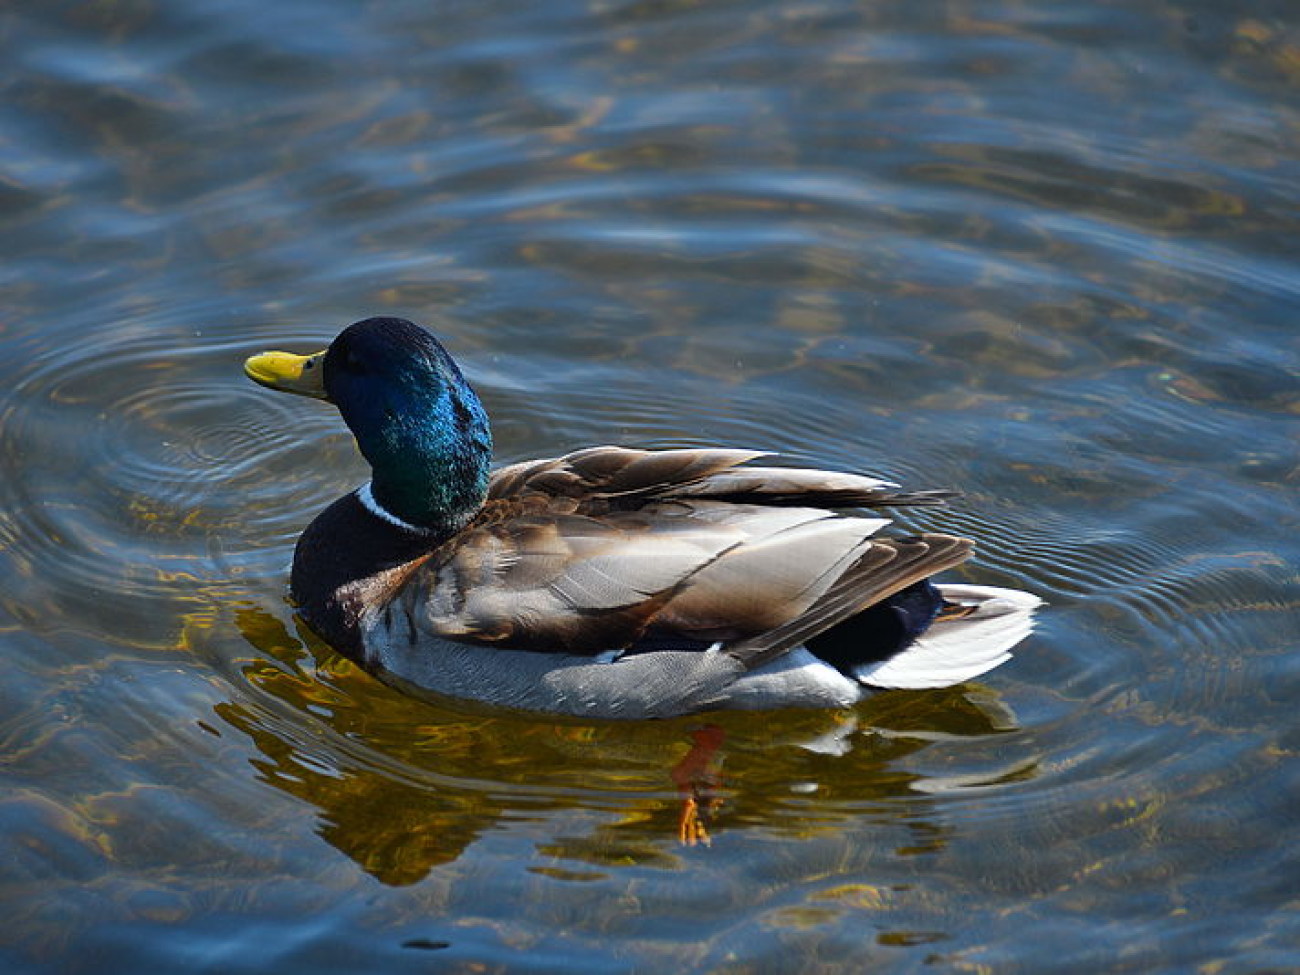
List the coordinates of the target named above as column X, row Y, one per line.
column 399, row 784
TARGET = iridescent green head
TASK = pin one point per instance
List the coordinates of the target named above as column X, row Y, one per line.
column 415, row 418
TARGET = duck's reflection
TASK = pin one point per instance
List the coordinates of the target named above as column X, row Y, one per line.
column 402, row 786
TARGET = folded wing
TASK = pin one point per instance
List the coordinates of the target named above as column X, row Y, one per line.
column 596, row 550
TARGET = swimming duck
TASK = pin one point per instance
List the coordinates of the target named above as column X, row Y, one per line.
column 613, row 582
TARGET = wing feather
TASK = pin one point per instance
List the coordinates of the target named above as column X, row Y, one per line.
column 611, row 471
column 777, row 576
column 597, row 549
column 562, row 582
column 614, row 472
column 886, row 567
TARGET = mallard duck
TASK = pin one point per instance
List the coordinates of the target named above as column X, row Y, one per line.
column 613, row 582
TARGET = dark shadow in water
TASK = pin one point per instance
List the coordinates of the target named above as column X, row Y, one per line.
column 402, row 786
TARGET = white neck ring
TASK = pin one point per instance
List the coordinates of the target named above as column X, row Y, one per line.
column 366, row 495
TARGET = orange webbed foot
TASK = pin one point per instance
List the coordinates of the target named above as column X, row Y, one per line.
column 696, row 776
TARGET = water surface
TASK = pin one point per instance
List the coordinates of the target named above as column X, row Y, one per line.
column 1044, row 254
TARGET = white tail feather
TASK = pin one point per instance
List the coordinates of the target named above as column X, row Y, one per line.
column 957, row 650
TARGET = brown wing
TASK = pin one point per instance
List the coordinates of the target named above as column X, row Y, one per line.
column 604, row 472
column 562, row 580
column 886, row 567
column 621, row 472
column 588, row 553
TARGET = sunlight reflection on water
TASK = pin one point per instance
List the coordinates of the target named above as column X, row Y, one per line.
column 1041, row 255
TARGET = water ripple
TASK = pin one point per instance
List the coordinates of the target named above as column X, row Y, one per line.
column 131, row 458
column 1041, row 254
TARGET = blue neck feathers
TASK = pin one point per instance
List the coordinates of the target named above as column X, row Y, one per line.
column 415, row 419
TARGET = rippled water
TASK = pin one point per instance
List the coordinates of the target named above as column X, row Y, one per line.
column 1043, row 253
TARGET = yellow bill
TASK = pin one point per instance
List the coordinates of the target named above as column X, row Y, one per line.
column 301, row 374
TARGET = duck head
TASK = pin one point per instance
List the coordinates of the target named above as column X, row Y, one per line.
column 414, row 417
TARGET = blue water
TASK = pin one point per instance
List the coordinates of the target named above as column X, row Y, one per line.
column 1044, row 254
